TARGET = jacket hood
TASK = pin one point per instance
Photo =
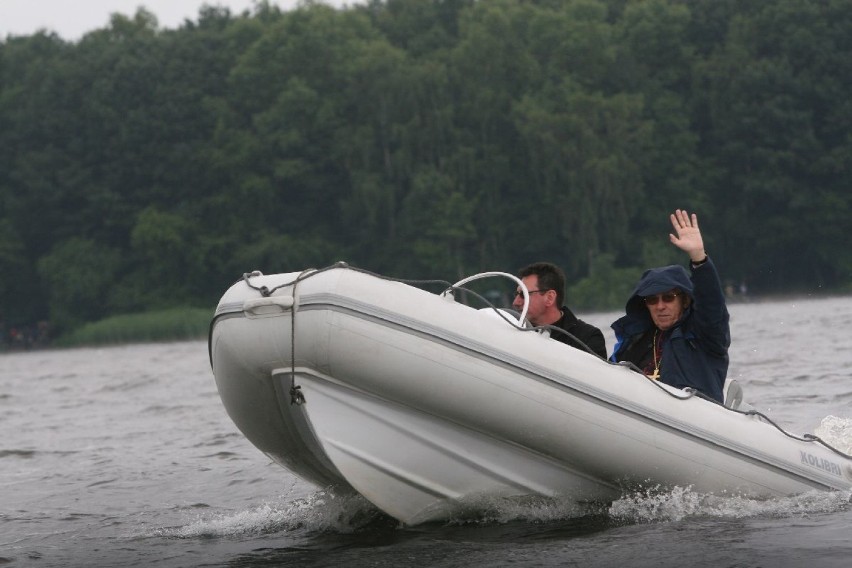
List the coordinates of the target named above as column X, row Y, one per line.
column 656, row 281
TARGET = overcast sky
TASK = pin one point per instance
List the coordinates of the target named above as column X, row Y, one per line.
column 71, row 19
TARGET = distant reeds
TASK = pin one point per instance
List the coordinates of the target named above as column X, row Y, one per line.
column 165, row 325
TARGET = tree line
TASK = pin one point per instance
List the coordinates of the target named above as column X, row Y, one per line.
column 143, row 168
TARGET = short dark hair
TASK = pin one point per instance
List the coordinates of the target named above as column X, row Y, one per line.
column 550, row 277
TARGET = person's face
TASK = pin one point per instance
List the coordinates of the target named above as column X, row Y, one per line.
column 540, row 300
column 665, row 308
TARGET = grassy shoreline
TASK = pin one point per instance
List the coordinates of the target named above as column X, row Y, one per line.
column 186, row 324
column 173, row 324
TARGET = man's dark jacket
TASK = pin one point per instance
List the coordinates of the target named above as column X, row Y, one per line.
column 584, row 332
column 695, row 349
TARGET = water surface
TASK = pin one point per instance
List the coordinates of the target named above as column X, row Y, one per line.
column 124, row 456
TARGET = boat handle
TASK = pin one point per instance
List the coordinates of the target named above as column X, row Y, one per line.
column 268, row 306
column 520, row 283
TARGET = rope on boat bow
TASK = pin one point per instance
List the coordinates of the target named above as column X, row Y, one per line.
column 308, row 273
column 297, row 397
column 266, row 292
column 751, row 412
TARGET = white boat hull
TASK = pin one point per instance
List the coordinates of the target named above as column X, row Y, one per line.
column 420, row 404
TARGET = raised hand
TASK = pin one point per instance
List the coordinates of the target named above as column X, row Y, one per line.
column 687, row 236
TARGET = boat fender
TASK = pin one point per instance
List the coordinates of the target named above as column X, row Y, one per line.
column 271, row 305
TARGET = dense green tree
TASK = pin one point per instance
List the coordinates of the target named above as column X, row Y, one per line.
column 419, row 27
column 656, row 60
column 438, row 227
column 142, row 167
column 586, row 151
column 774, row 135
column 79, row 275
column 490, row 70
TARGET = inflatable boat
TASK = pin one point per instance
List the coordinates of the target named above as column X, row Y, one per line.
column 420, row 403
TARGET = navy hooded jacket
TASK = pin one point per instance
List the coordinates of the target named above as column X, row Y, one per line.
column 695, row 349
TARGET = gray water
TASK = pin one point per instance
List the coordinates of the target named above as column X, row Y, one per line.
column 124, row 456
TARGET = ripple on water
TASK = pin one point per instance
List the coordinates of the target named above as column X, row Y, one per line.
column 25, row 454
column 837, row 432
column 656, row 505
column 324, row 511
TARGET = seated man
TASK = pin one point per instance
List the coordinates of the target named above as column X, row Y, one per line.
column 545, row 283
column 676, row 329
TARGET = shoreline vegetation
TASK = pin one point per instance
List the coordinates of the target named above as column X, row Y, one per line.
column 173, row 324
column 192, row 323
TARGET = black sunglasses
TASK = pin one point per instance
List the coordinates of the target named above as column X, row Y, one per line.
column 518, row 293
column 667, row 298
